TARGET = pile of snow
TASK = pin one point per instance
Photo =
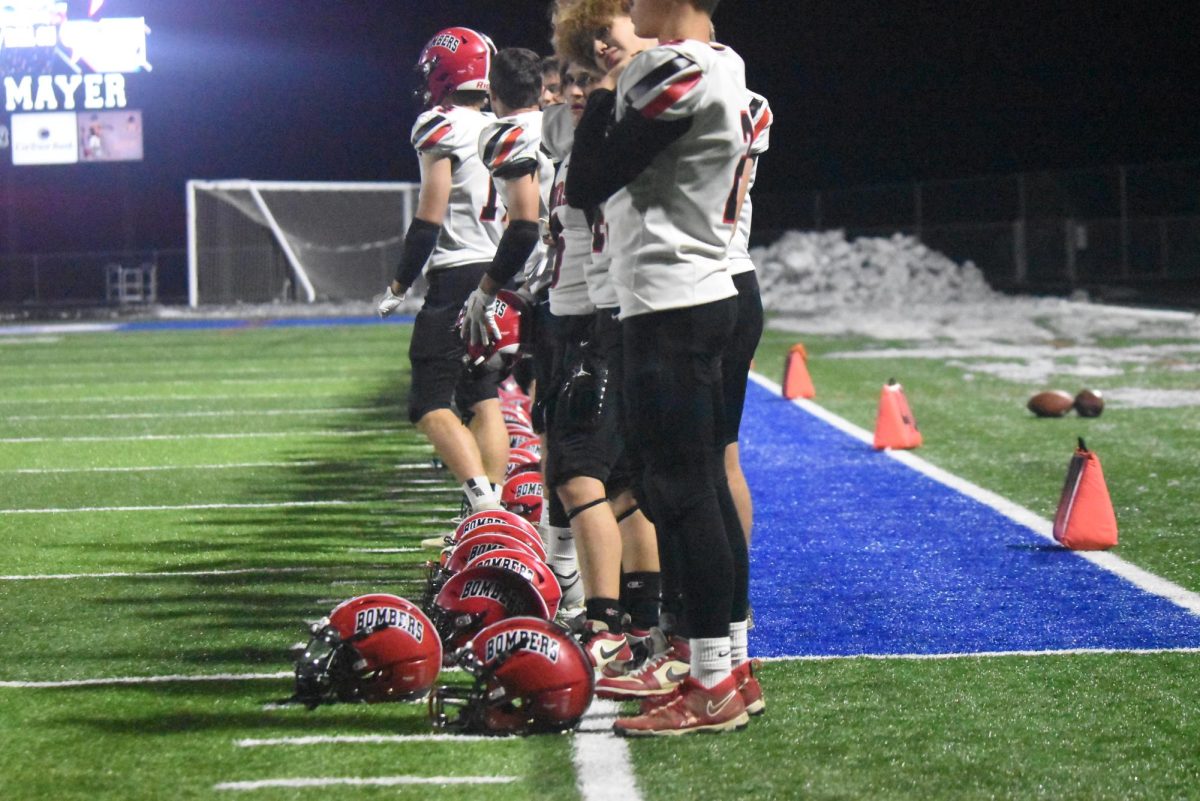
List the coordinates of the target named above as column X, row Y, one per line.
column 812, row 271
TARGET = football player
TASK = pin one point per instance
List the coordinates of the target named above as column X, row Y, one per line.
column 453, row 238
column 551, row 82
column 665, row 151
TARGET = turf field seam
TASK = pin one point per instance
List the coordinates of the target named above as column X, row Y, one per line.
column 1140, row 578
column 981, row 654
column 137, row 680
column 34, row 471
column 92, row 400
column 367, row 432
column 239, row 571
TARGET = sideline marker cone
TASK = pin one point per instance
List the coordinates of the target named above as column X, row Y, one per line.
column 796, row 381
column 1085, row 520
column 895, row 426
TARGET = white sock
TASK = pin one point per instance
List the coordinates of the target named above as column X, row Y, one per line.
column 560, row 549
column 739, row 642
column 711, row 662
column 480, row 495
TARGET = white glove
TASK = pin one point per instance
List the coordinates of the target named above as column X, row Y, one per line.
column 479, row 319
column 391, row 301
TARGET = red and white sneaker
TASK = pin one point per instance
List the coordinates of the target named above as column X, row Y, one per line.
column 607, row 651
column 694, row 708
column 748, row 686
column 660, row 676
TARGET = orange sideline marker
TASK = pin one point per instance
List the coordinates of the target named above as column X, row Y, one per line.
column 895, row 426
column 796, row 381
column 1085, row 520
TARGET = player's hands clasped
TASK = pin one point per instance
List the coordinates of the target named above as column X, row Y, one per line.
column 479, row 319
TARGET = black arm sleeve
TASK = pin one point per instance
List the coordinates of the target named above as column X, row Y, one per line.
column 606, row 155
column 519, row 240
column 418, row 245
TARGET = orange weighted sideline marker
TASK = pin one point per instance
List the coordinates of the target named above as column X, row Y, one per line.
column 1085, row 520
column 796, row 381
column 895, row 426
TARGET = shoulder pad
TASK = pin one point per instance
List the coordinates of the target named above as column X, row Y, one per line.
column 659, row 83
column 558, row 131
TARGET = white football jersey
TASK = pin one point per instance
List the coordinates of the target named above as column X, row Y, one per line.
column 671, row 226
column 572, row 250
column 508, row 143
column 473, row 222
column 739, row 248
column 601, row 289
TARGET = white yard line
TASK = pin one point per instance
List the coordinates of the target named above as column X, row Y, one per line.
column 372, row 739
column 1142, row 579
column 369, row 432
column 94, row 400
column 603, row 771
column 138, row 680
column 186, row 415
column 34, row 471
column 385, row 550
column 186, row 507
column 163, row 573
column 355, row 781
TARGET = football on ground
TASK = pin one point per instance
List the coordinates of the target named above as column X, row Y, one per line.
column 1089, row 403
column 1051, row 403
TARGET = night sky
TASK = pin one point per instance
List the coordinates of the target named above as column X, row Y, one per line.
column 863, row 92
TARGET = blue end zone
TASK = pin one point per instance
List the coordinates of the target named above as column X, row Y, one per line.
column 854, row 553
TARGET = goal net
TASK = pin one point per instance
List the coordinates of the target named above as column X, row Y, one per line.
column 265, row 241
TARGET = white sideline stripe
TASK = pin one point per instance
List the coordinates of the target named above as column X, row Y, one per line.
column 380, row 739
column 183, row 415
column 161, row 574
column 981, row 654
column 385, row 550
column 135, row 680
column 1142, row 579
column 289, row 379
column 243, row 435
column 180, row 508
column 354, row 781
column 603, row 771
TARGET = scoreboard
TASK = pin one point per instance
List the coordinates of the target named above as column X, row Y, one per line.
column 69, row 72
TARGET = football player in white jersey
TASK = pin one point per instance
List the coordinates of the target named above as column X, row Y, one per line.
column 619, row 554
column 748, row 331
column 452, row 238
column 510, row 147
column 666, row 151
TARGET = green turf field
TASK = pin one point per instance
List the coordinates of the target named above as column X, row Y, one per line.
column 271, row 473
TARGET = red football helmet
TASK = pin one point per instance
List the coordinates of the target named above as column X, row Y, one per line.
column 529, row 567
column 476, row 544
column 371, row 648
column 530, row 677
column 520, row 460
column 523, row 495
column 454, row 59
column 515, row 416
column 512, row 316
column 478, row 597
column 500, row 521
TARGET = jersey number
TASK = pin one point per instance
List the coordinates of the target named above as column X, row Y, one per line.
column 489, row 208
column 731, row 204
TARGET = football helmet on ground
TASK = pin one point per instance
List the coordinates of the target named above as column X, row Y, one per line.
column 529, row 567
column 478, row 597
column 371, row 648
column 530, row 677
column 523, row 495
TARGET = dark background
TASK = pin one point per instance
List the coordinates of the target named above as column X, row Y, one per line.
column 863, row 93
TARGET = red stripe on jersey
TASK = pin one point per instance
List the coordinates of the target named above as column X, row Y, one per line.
column 670, row 96
column 763, row 122
column 438, row 134
column 506, row 146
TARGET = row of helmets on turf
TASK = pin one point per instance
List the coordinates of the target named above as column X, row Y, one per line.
column 488, row 608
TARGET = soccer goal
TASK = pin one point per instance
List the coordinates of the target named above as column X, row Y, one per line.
column 268, row 241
